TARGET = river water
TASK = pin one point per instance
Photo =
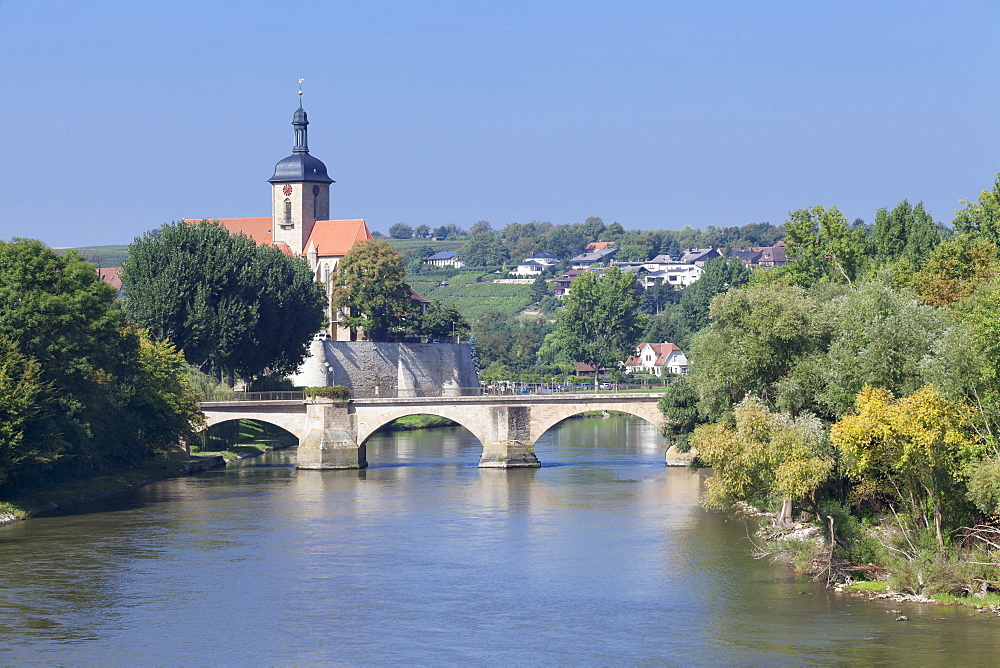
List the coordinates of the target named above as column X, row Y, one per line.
column 600, row 557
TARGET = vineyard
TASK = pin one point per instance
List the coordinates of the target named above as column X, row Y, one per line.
column 472, row 293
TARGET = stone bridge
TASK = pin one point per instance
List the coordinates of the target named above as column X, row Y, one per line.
column 332, row 433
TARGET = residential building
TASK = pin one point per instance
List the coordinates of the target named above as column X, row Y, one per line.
column 592, row 258
column 536, row 264
column 699, row 256
column 658, row 359
column 560, row 286
column 444, row 259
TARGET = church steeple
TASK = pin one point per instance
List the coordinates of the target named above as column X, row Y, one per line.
column 300, row 189
column 299, row 122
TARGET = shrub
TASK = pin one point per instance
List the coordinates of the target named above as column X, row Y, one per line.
column 984, row 486
column 329, row 392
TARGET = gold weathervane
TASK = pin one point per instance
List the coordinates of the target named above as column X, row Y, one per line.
column 300, row 86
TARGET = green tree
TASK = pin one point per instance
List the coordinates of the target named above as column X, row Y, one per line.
column 881, row 338
column 539, row 290
column 484, row 250
column 369, row 289
column 613, row 232
column 592, row 228
column 905, row 232
column 758, row 336
column 440, row 321
column 822, row 246
column 400, row 231
column 719, row 276
column 565, row 242
column 65, row 347
column 637, row 248
column 982, row 217
column 164, row 396
column 232, row 307
column 421, row 231
column 600, row 322
column 479, row 227
column 23, row 399
column 679, row 405
column 58, row 313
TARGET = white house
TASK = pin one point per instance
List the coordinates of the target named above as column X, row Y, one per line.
column 534, row 265
column 444, row 259
column 661, row 270
column 657, row 359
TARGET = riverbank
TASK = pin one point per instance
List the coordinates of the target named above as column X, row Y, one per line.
column 68, row 493
column 64, row 494
column 955, row 576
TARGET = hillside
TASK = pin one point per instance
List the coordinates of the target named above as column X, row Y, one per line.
column 99, row 256
column 471, row 292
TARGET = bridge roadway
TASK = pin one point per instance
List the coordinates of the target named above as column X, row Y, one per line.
column 332, row 433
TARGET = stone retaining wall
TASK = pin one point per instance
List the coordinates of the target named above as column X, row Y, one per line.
column 365, row 365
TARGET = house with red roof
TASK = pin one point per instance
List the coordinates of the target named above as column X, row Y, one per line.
column 657, row 359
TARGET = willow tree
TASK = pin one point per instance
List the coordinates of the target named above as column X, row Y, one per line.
column 767, row 456
column 600, row 323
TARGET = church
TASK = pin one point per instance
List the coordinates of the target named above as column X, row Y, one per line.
column 300, row 210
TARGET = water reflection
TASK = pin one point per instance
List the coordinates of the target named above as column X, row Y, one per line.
column 601, row 556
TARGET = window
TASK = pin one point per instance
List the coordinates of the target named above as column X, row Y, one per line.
column 288, row 213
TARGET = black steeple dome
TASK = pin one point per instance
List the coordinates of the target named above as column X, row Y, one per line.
column 300, row 166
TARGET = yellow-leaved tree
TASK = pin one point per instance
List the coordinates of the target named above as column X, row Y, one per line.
column 767, row 456
column 913, row 450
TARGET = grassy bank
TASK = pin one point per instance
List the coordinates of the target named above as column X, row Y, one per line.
column 52, row 496
column 244, row 438
column 410, row 422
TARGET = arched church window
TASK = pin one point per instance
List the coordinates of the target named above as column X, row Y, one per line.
column 288, row 212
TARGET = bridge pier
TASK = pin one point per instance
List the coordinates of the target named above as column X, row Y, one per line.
column 509, row 455
column 508, row 443
column 330, row 444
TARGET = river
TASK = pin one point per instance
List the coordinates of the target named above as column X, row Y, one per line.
column 602, row 556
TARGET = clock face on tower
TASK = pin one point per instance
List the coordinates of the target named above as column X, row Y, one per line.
column 287, row 190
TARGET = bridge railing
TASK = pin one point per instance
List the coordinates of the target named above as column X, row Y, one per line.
column 254, row 396
column 500, row 389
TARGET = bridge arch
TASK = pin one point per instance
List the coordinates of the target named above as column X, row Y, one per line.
column 290, row 422
column 371, row 422
column 544, row 420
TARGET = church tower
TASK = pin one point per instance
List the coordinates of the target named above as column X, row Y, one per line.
column 300, row 191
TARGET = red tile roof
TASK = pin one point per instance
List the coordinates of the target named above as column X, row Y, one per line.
column 330, row 237
column 337, row 237
column 661, row 350
column 110, row 276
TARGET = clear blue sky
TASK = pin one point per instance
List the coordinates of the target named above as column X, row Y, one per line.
column 120, row 116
